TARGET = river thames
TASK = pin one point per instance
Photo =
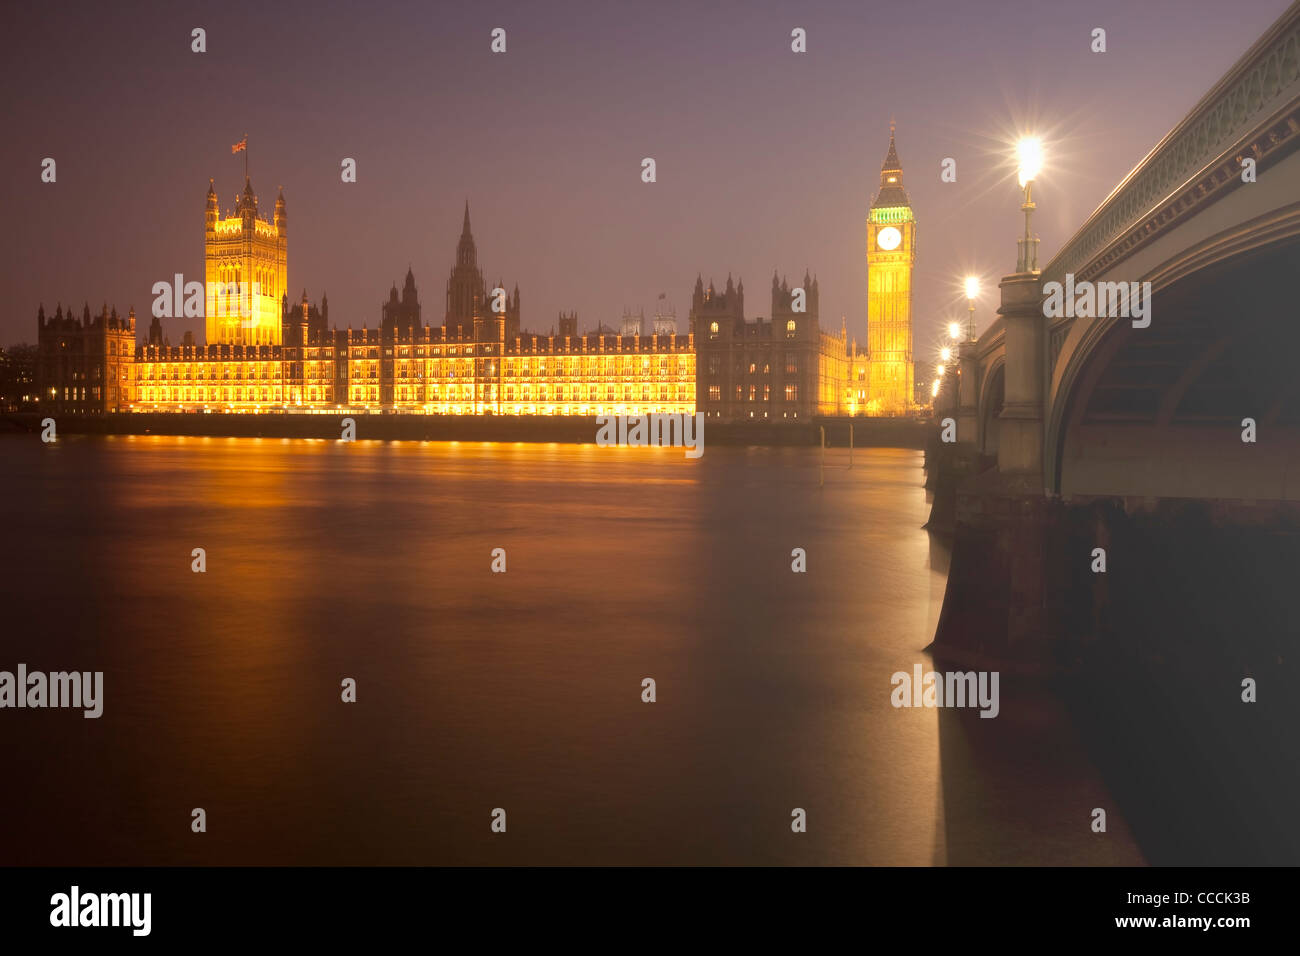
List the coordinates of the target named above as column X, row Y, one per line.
column 519, row 690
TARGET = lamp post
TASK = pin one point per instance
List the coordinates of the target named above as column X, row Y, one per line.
column 1020, row 432
column 972, row 292
column 1029, row 152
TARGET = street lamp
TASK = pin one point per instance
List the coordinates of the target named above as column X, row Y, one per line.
column 972, row 293
column 954, row 330
column 1029, row 154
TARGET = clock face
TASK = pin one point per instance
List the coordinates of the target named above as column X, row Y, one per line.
column 888, row 238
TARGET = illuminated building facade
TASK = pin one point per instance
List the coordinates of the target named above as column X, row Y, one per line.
column 476, row 363
column 884, row 381
column 246, row 271
column 778, row 369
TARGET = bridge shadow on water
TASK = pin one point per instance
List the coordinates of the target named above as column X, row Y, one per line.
column 1161, row 646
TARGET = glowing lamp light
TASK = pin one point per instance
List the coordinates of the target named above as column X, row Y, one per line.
column 945, row 353
column 954, row 330
column 972, row 287
column 939, row 369
column 934, row 390
column 1029, row 155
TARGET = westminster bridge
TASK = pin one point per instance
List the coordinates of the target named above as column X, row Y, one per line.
column 1123, row 490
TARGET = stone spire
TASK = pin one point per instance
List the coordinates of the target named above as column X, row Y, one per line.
column 891, row 191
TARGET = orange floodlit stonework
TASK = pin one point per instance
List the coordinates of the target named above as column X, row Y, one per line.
column 272, row 356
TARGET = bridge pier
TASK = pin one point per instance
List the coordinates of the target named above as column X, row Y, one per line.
column 1020, row 448
column 1003, row 584
column 968, row 395
column 1002, row 607
column 948, row 464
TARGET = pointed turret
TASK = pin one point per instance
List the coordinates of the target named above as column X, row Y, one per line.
column 466, row 290
column 466, row 250
column 410, row 297
column 281, row 217
column 210, row 217
column 891, row 158
column 891, row 191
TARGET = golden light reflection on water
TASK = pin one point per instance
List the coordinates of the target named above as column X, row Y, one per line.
column 372, row 560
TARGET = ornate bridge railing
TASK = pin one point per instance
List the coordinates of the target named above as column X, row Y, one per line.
column 1252, row 112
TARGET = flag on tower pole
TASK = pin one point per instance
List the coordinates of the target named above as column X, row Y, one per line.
column 242, row 145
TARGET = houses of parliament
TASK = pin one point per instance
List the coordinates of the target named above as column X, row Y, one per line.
column 273, row 355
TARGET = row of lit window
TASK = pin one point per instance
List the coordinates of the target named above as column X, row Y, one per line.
column 791, row 393
column 272, row 371
column 791, row 366
column 262, row 370
column 265, row 394
column 544, row 393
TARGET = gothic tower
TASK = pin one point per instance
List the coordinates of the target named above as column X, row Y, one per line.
column 466, row 292
column 401, row 317
column 246, row 271
column 891, row 253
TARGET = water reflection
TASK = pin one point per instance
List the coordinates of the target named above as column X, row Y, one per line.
column 477, row 690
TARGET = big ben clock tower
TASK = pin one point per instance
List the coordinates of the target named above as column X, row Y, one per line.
column 891, row 252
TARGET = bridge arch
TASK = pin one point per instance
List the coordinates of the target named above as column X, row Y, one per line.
column 1158, row 412
column 992, row 395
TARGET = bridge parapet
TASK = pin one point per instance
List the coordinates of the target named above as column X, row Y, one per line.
column 1247, row 114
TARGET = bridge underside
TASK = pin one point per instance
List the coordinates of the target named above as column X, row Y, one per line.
column 1159, row 411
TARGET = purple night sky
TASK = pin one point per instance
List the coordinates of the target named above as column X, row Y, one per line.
column 765, row 158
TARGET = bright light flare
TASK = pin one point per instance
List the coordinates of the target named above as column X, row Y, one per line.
column 945, row 353
column 1029, row 155
column 972, row 287
column 954, row 330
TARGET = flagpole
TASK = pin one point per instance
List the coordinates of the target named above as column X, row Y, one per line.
column 245, row 157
